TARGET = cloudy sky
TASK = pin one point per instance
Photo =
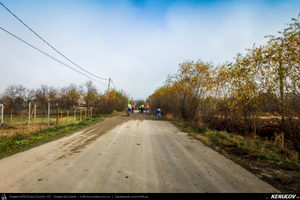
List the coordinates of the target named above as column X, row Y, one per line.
column 135, row 42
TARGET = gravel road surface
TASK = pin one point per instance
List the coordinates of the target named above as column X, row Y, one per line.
column 126, row 154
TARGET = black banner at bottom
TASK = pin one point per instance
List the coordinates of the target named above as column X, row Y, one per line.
column 145, row 196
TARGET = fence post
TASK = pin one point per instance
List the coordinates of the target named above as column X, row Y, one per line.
column 91, row 112
column 49, row 113
column 34, row 119
column 74, row 114
column 2, row 111
column 57, row 114
column 85, row 113
column 29, row 109
column 80, row 113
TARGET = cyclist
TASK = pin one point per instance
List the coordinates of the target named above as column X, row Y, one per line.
column 129, row 109
column 158, row 112
column 142, row 108
column 147, row 107
column 132, row 108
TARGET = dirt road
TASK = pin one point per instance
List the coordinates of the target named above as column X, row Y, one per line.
column 135, row 156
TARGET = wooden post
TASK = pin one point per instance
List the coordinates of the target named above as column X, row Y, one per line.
column 49, row 114
column 34, row 119
column 75, row 114
column 57, row 114
column 2, row 113
column 91, row 112
column 85, row 113
column 80, row 114
column 29, row 109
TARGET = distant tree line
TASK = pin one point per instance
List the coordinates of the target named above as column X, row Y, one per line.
column 258, row 93
column 16, row 98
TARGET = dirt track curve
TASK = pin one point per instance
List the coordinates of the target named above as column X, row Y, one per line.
column 126, row 154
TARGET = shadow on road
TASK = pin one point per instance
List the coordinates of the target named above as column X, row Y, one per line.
column 139, row 116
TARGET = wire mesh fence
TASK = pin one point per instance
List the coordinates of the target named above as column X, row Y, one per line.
column 32, row 116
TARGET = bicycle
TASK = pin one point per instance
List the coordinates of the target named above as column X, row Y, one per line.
column 128, row 112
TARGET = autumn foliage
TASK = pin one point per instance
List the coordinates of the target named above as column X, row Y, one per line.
column 257, row 94
column 16, row 98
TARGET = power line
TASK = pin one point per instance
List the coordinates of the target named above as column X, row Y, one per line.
column 50, row 44
column 48, row 55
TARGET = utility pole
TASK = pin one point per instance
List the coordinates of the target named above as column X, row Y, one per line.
column 109, row 84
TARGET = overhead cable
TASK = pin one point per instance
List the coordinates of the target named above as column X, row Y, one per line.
column 50, row 56
column 51, row 46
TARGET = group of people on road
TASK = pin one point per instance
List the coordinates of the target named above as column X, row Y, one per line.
column 142, row 108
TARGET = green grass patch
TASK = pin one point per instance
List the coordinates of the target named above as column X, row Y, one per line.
column 244, row 146
column 19, row 142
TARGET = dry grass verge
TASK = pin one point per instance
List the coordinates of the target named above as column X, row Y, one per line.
column 274, row 164
column 21, row 141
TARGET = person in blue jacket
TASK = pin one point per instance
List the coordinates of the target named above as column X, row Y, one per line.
column 158, row 112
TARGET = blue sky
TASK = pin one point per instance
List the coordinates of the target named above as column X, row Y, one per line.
column 137, row 43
